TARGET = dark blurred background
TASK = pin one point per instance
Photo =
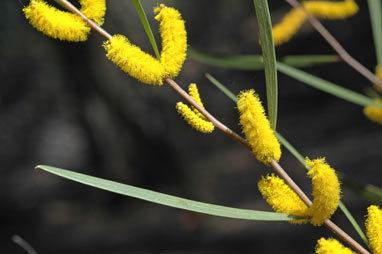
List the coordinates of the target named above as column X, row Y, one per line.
column 64, row 104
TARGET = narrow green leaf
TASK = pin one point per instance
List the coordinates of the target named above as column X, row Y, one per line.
column 146, row 25
column 310, row 60
column 326, row 86
column 247, row 62
column 221, row 87
column 353, row 222
column 167, row 200
column 375, row 10
column 291, row 149
column 268, row 49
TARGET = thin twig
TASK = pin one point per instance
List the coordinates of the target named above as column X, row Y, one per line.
column 278, row 169
column 23, row 244
column 337, row 46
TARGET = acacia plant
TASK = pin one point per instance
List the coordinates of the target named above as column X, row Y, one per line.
column 260, row 137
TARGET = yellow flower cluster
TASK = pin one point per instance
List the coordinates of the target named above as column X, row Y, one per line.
column 374, row 228
column 134, row 61
column 257, row 128
column 64, row 25
column 282, row 198
column 143, row 66
column 293, row 20
column 326, row 191
column 373, row 232
column 192, row 116
column 374, row 113
column 174, row 39
column 331, row 246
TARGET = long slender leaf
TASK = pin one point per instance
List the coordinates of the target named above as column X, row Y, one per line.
column 268, row 49
column 248, row 62
column 375, row 10
column 146, row 25
column 167, row 200
column 310, row 60
column 221, row 87
column 326, row 86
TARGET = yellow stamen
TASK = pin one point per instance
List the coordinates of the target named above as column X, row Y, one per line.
column 55, row 23
column 331, row 246
column 282, row 198
column 288, row 26
column 331, row 10
column 134, row 61
column 374, row 113
column 94, row 10
column 192, row 119
column 257, row 129
column 374, row 228
column 326, row 191
column 174, row 39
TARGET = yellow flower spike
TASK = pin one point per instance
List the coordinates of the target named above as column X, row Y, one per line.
column 374, row 228
column 378, row 73
column 194, row 93
column 282, row 198
column 288, row 26
column 326, row 191
column 134, row 61
column 193, row 119
column 174, row 39
column 374, row 113
column 330, row 9
column 331, row 246
column 257, row 128
column 55, row 23
column 94, row 10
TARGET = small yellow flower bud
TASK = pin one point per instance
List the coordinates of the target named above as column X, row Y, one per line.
column 282, row 198
column 330, row 9
column 193, row 119
column 374, row 113
column 289, row 25
column 326, row 191
column 257, row 128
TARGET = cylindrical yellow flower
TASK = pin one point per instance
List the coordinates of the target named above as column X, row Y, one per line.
column 330, row 9
column 94, row 10
column 289, row 25
column 134, row 61
column 174, row 39
column 331, row 246
column 374, row 113
column 55, row 23
column 326, row 191
column 194, row 93
column 378, row 74
column 193, row 119
column 257, row 128
column 282, row 198
column 374, row 228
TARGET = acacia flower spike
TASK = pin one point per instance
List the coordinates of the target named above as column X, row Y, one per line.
column 134, row 61
column 194, row 117
column 257, row 128
column 282, row 198
column 326, row 190
column 331, row 10
column 55, row 23
column 374, row 113
column 174, row 39
column 374, row 228
column 289, row 25
column 331, row 246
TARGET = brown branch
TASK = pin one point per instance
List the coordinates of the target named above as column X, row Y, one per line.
column 337, row 46
column 278, row 169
